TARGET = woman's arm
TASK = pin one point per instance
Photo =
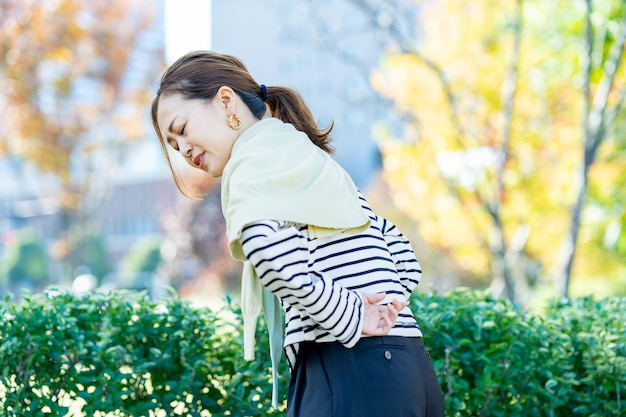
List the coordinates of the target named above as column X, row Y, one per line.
column 403, row 256
column 409, row 269
column 280, row 256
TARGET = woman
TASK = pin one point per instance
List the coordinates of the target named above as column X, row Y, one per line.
column 308, row 238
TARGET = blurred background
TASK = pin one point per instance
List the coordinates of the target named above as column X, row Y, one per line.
column 491, row 132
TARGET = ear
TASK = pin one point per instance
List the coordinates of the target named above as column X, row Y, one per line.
column 227, row 99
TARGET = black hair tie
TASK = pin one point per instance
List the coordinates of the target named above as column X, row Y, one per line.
column 263, row 92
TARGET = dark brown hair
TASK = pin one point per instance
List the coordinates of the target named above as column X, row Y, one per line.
column 199, row 74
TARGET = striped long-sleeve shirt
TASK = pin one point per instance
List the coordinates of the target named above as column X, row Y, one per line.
column 319, row 280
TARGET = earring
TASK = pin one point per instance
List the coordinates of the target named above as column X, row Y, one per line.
column 231, row 124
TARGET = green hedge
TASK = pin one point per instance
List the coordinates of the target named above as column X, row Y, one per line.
column 123, row 354
column 494, row 359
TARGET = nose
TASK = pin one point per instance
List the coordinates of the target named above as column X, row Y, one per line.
column 184, row 148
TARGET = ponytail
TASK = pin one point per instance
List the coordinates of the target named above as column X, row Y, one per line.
column 288, row 105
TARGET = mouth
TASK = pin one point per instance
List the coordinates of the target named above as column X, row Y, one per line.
column 199, row 160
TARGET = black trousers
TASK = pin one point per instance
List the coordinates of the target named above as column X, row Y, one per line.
column 386, row 376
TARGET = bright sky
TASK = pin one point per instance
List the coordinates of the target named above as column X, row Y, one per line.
column 187, row 27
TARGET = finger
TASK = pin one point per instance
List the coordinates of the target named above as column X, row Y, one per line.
column 384, row 318
column 391, row 312
column 387, row 324
column 400, row 305
column 392, row 309
column 373, row 298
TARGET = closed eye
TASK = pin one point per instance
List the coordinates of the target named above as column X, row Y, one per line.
column 173, row 143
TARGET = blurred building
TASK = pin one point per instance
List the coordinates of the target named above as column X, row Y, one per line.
column 132, row 190
column 303, row 45
column 281, row 41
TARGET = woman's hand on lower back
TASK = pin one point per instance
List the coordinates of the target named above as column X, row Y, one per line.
column 379, row 319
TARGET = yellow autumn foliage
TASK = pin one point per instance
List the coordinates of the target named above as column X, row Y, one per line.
column 446, row 173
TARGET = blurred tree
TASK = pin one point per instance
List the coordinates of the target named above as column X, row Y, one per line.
column 603, row 95
column 66, row 92
column 144, row 256
column 506, row 105
column 70, row 100
column 87, row 249
column 195, row 248
column 24, row 264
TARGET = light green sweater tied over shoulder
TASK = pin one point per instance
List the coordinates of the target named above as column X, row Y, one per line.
column 276, row 173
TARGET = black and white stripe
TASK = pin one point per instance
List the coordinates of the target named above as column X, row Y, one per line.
column 319, row 281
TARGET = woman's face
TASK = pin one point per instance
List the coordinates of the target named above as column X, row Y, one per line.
column 198, row 130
